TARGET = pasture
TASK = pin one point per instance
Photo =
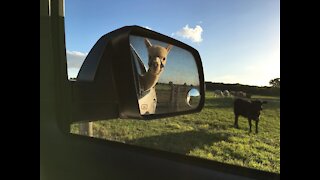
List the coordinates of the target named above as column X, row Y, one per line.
column 209, row 134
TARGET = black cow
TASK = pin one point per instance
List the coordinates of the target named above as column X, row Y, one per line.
column 249, row 109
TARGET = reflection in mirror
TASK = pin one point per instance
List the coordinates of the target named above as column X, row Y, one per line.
column 193, row 97
column 167, row 77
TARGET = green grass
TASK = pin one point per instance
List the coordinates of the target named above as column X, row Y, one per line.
column 208, row 134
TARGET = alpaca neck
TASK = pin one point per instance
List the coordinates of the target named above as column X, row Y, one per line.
column 149, row 80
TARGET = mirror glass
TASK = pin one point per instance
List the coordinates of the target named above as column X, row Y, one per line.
column 166, row 76
column 193, row 97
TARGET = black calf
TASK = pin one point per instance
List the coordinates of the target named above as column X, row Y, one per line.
column 248, row 109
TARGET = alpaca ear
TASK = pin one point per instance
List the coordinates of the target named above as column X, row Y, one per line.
column 169, row 47
column 147, row 42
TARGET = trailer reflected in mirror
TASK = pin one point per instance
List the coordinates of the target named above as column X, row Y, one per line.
column 166, row 76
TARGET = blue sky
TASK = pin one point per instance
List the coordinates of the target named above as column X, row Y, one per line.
column 238, row 40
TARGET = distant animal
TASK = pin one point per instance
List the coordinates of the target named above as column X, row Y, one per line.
column 218, row 93
column 226, row 93
column 233, row 93
column 249, row 109
column 240, row 94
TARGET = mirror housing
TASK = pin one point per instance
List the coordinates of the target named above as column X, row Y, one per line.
column 106, row 85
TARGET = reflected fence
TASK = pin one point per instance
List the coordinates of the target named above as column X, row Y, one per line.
column 173, row 97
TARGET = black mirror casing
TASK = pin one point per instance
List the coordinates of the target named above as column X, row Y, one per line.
column 106, row 84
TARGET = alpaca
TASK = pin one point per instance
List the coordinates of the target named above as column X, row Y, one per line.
column 157, row 58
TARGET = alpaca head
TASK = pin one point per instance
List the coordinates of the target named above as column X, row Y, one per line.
column 157, row 57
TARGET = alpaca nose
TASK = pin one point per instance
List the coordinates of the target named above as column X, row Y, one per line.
column 161, row 66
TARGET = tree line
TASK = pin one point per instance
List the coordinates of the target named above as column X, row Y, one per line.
column 253, row 90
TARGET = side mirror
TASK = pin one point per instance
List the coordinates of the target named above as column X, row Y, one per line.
column 137, row 73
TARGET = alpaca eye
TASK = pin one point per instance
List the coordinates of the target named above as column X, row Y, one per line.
column 164, row 59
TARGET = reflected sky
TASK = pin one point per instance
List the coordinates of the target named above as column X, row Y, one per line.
column 194, row 92
column 180, row 67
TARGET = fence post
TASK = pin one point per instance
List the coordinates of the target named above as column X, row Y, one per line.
column 177, row 94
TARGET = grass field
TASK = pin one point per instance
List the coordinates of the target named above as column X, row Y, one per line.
column 208, row 134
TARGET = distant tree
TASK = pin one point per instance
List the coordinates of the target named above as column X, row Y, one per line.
column 275, row 82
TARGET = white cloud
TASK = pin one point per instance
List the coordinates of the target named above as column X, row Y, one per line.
column 194, row 34
column 75, row 58
column 74, row 61
column 76, row 53
column 147, row 27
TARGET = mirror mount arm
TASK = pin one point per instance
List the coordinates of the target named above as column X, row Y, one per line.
column 94, row 95
column 104, row 88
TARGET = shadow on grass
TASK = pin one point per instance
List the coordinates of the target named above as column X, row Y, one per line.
column 182, row 142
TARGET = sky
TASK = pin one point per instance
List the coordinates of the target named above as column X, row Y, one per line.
column 238, row 40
